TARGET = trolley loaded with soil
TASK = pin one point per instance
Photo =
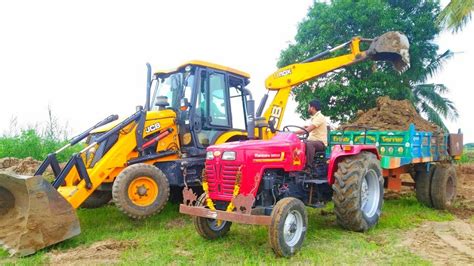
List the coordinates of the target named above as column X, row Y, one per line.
column 408, row 144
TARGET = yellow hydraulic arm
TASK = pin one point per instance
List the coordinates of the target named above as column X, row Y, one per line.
column 392, row 46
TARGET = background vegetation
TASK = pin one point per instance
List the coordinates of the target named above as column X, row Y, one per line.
column 356, row 87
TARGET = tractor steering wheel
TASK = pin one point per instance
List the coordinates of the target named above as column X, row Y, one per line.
column 302, row 137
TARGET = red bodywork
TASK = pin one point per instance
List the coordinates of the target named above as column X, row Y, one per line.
column 284, row 151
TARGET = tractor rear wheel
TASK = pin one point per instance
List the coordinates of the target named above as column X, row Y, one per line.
column 358, row 192
column 97, row 199
column 209, row 228
column 423, row 183
column 141, row 190
column 444, row 186
column 288, row 228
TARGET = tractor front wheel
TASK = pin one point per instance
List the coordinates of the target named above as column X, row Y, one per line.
column 358, row 192
column 288, row 228
column 141, row 190
column 209, row 228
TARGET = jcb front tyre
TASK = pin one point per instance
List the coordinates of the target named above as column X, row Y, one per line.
column 209, row 228
column 141, row 190
column 444, row 186
column 358, row 192
column 288, row 228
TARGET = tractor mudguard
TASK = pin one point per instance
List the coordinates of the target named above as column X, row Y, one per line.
column 340, row 151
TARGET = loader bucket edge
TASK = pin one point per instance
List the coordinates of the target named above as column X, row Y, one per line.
column 391, row 46
column 33, row 215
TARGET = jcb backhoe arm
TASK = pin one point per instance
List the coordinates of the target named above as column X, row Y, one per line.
column 391, row 46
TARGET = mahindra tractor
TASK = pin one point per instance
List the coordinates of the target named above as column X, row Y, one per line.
column 268, row 180
column 265, row 182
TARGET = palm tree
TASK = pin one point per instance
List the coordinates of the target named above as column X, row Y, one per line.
column 456, row 14
column 428, row 98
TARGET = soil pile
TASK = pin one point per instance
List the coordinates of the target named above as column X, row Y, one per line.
column 464, row 207
column 443, row 243
column 393, row 115
column 25, row 166
column 101, row 253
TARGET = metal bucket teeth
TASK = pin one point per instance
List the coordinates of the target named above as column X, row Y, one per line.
column 33, row 215
column 391, row 46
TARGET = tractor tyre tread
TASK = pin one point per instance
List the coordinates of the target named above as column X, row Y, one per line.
column 347, row 193
column 279, row 213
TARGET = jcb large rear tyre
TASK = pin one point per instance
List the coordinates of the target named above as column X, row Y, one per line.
column 287, row 231
column 444, row 186
column 141, row 190
column 209, row 228
column 97, row 199
column 423, row 183
column 358, row 192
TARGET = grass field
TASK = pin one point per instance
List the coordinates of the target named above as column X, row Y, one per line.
column 170, row 238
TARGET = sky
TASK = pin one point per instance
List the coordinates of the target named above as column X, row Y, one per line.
column 86, row 59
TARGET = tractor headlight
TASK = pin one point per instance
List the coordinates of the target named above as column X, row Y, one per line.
column 228, row 156
column 209, row 155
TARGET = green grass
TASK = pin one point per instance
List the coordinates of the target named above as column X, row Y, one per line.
column 30, row 143
column 170, row 238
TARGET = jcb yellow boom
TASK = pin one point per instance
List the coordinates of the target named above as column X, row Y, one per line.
column 391, row 46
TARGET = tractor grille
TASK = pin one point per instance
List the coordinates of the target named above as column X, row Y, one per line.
column 221, row 178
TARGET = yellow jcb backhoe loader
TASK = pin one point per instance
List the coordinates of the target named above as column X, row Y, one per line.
column 135, row 161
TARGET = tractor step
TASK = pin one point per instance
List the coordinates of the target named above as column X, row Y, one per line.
column 315, row 181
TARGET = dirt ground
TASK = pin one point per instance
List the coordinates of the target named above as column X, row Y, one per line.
column 443, row 243
column 449, row 243
column 100, row 253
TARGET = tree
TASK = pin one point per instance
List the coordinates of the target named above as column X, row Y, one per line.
column 456, row 14
column 357, row 87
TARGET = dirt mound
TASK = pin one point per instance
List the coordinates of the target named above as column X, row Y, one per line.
column 25, row 166
column 393, row 115
column 100, row 253
column 443, row 242
column 464, row 208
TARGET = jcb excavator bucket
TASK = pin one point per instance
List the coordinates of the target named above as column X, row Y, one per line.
column 391, row 46
column 33, row 215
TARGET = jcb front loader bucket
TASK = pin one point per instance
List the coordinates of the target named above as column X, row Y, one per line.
column 33, row 215
column 391, row 46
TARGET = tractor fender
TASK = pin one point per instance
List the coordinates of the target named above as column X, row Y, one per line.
column 340, row 151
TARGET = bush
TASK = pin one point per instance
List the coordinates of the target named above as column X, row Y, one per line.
column 30, row 143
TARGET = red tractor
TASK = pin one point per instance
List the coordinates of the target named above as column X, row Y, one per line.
column 265, row 182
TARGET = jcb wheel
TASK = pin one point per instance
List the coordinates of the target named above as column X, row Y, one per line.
column 97, row 199
column 358, row 192
column 444, row 186
column 141, row 190
column 423, row 180
column 288, row 228
column 209, row 228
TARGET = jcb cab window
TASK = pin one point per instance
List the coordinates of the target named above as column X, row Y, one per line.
column 217, row 99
